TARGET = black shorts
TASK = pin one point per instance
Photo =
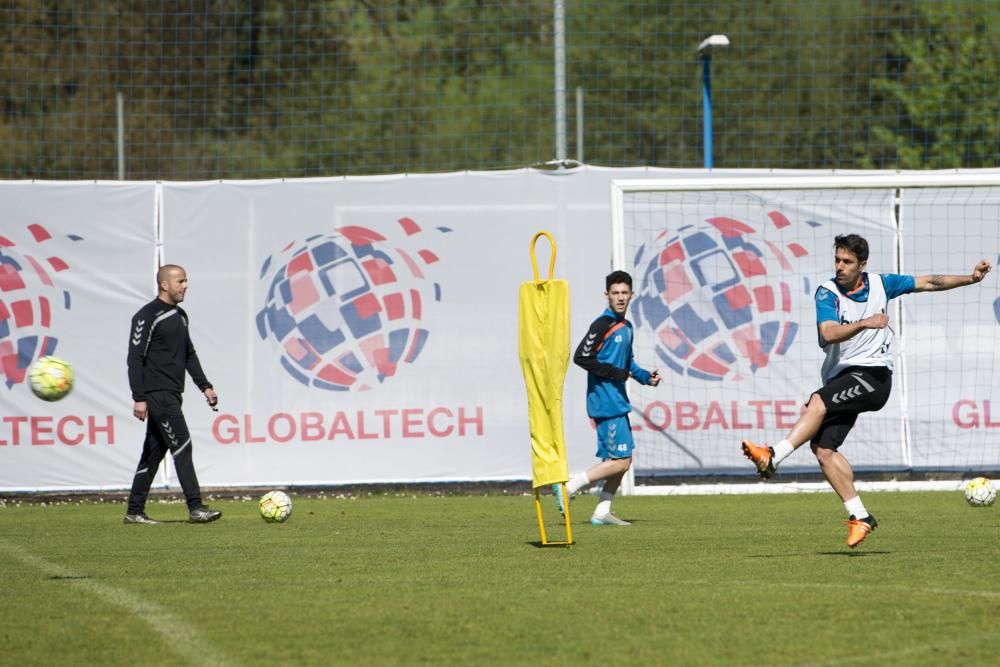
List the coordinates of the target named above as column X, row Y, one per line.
column 858, row 389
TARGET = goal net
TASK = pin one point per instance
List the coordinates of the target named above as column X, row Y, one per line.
column 725, row 270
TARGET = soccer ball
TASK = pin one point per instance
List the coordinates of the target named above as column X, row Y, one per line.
column 51, row 378
column 275, row 506
column 979, row 492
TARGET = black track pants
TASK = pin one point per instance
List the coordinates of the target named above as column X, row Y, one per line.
column 166, row 430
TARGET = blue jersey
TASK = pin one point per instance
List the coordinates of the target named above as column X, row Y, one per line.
column 606, row 354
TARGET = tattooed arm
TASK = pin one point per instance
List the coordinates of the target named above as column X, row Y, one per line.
column 939, row 283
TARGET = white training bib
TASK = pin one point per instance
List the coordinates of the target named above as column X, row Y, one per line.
column 870, row 347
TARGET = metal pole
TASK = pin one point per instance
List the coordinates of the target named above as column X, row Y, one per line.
column 559, row 41
column 120, row 104
column 579, row 124
column 706, row 89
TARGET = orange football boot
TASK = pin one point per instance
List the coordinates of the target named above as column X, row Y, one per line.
column 858, row 529
column 762, row 457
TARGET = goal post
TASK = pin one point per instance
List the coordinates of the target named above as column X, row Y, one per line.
column 725, row 271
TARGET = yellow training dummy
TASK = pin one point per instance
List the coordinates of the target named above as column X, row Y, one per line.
column 543, row 346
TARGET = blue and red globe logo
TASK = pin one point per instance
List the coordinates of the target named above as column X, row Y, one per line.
column 345, row 310
column 30, row 301
column 718, row 296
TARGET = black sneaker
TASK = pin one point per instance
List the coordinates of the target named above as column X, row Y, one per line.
column 139, row 518
column 203, row 515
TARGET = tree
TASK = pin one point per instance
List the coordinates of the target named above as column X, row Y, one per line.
column 943, row 98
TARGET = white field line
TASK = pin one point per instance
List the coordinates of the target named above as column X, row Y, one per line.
column 180, row 637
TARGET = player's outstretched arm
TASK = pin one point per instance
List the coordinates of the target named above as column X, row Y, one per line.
column 939, row 283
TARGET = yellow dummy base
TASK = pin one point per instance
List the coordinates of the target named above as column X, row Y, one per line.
column 541, row 521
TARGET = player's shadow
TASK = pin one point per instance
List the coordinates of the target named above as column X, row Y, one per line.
column 848, row 554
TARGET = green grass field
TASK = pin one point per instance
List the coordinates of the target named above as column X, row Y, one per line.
column 400, row 579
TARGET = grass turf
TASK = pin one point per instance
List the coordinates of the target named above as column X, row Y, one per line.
column 428, row 579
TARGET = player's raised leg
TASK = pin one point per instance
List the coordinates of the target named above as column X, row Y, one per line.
column 766, row 459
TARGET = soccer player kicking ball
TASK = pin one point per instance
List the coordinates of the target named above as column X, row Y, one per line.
column 857, row 373
column 606, row 354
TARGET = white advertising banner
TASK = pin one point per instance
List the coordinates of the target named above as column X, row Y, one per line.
column 76, row 260
column 365, row 329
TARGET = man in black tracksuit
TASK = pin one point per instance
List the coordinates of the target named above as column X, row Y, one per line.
column 159, row 352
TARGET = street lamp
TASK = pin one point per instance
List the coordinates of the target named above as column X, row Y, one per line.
column 705, row 53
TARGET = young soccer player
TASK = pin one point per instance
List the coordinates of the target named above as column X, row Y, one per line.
column 606, row 354
column 857, row 373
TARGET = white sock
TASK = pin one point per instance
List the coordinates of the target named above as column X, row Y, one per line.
column 781, row 451
column 577, row 482
column 604, row 504
column 855, row 507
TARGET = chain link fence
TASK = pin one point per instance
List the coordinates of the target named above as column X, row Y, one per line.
column 185, row 90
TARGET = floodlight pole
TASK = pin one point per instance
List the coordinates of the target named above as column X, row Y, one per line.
column 705, row 53
column 706, row 96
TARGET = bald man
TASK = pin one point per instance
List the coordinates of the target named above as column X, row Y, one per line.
column 160, row 351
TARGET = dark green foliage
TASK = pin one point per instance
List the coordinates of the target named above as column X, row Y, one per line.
column 942, row 95
column 270, row 88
